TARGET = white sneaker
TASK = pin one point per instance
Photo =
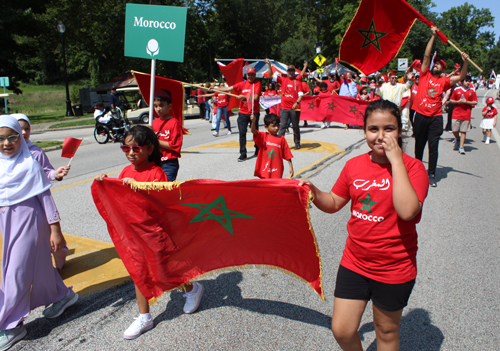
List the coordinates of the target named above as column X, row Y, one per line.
column 461, row 151
column 323, row 126
column 487, row 141
column 229, row 132
column 215, row 134
column 454, row 140
column 138, row 327
column 193, row 298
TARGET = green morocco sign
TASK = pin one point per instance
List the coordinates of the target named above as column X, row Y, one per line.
column 155, row 32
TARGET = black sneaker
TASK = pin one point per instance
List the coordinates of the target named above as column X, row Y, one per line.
column 432, row 180
column 297, row 147
column 242, row 158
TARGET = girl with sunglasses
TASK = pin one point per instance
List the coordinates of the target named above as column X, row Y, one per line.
column 142, row 149
column 29, row 223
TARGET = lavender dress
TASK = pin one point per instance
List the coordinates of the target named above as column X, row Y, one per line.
column 26, row 262
column 39, row 155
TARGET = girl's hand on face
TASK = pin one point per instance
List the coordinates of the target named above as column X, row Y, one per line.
column 100, row 177
column 392, row 150
column 127, row 181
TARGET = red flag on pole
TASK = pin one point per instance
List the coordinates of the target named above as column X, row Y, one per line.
column 334, row 108
column 181, row 231
column 233, row 72
column 377, row 32
column 69, row 147
column 176, row 90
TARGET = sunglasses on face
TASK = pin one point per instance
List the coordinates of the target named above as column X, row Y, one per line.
column 135, row 148
column 10, row 138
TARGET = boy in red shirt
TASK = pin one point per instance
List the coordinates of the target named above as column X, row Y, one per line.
column 272, row 149
column 169, row 133
column 464, row 98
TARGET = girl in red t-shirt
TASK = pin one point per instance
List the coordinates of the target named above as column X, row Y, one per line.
column 142, row 149
column 489, row 119
column 387, row 189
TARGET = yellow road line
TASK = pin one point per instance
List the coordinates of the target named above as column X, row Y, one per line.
column 85, row 181
column 91, row 265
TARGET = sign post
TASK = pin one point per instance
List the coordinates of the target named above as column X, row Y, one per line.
column 157, row 33
column 4, row 82
column 402, row 64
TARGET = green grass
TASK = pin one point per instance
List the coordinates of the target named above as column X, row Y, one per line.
column 42, row 103
column 85, row 122
column 43, row 144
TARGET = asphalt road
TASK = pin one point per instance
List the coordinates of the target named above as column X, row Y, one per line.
column 453, row 305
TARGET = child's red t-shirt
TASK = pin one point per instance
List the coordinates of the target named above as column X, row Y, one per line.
column 272, row 151
column 380, row 245
column 149, row 173
column 169, row 130
column 490, row 114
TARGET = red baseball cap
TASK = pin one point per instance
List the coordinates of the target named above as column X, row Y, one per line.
column 490, row 100
column 251, row 70
column 437, row 59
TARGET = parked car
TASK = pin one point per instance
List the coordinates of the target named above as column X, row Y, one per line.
column 139, row 113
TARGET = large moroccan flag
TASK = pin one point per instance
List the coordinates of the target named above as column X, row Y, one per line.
column 377, row 32
column 175, row 87
column 233, row 74
column 334, row 108
column 168, row 234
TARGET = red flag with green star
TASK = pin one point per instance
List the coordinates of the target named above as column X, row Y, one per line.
column 334, row 108
column 168, row 234
column 377, row 32
column 69, row 147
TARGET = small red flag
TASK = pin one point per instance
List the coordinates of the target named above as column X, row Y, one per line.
column 69, row 147
column 334, row 108
column 233, row 74
column 167, row 238
column 176, row 90
column 377, row 32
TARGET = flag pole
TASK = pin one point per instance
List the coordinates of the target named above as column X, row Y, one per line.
column 469, row 59
column 205, row 88
column 152, row 90
column 222, row 60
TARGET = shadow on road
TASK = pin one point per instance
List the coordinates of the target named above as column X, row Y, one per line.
column 417, row 332
column 224, row 291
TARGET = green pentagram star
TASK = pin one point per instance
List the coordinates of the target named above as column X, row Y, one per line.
column 432, row 92
column 367, row 203
column 376, row 36
column 331, row 106
column 312, row 105
column 206, row 213
column 271, row 154
column 353, row 109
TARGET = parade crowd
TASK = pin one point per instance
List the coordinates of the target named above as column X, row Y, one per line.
column 379, row 259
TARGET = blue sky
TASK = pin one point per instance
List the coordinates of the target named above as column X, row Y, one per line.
column 493, row 5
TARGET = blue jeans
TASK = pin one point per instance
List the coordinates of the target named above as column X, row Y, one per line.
column 207, row 110
column 171, row 167
column 221, row 111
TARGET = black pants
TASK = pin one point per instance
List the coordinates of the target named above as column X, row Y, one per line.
column 412, row 116
column 203, row 109
column 450, row 117
column 243, row 121
column 427, row 130
column 292, row 115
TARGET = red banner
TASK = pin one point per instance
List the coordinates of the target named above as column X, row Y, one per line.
column 167, row 238
column 233, row 74
column 176, row 90
column 334, row 108
column 69, row 147
column 377, row 32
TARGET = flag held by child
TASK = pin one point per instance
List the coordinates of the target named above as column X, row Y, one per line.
column 69, row 147
column 334, row 108
column 168, row 234
column 377, row 32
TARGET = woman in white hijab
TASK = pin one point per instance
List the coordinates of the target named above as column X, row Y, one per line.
column 29, row 224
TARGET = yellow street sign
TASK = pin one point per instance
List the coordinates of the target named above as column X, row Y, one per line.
column 320, row 60
column 320, row 70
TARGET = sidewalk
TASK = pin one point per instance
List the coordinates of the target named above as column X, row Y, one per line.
column 41, row 127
